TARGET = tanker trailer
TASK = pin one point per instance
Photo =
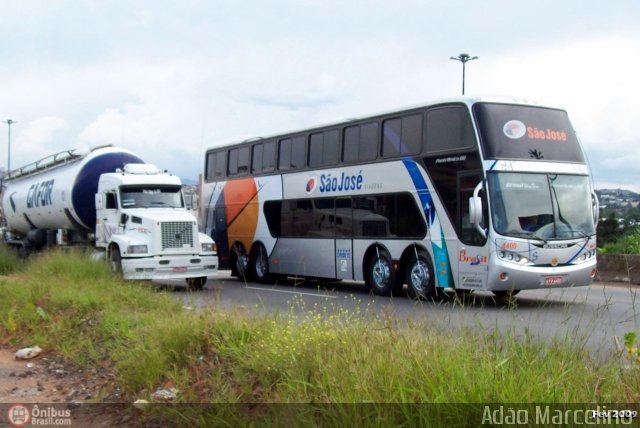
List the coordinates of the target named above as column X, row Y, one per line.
column 108, row 198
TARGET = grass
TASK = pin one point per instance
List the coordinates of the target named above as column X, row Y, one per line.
column 318, row 356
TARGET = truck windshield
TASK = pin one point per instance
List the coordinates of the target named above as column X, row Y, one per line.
column 151, row 197
column 541, row 206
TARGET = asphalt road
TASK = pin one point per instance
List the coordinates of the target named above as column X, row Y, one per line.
column 591, row 316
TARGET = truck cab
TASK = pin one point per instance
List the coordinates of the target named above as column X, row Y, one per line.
column 147, row 232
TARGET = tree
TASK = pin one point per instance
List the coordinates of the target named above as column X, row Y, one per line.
column 609, row 230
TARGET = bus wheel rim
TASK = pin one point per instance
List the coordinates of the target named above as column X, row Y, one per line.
column 419, row 276
column 381, row 273
column 261, row 265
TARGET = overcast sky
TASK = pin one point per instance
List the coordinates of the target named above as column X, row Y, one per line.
column 169, row 79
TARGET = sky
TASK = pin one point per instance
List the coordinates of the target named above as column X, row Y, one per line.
column 169, row 79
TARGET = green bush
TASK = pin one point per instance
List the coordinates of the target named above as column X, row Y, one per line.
column 627, row 244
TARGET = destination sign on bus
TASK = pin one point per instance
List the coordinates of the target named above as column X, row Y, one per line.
column 538, row 133
column 548, row 134
column 515, row 129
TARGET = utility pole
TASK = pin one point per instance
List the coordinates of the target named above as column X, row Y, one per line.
column 463, row 58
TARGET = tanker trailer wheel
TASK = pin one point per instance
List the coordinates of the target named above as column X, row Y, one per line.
column 194, row 284
column 115, row 261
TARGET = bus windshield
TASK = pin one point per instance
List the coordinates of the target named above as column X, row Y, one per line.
column 541, row 206
column 151, row 197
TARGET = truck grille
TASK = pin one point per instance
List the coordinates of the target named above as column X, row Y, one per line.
column 177, row 234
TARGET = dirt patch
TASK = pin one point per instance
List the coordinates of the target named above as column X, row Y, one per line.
column 47, row 379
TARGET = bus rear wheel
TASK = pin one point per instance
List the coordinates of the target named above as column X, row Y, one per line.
column 419, row 276
column 260, row 265
column 381, row 275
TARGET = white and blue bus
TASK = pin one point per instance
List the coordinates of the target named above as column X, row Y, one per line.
column 466, row 194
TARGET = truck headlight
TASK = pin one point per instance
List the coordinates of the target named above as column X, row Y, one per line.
column 137, row 249
column 209, row 248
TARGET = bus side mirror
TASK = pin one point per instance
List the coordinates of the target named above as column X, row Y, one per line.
column 595, row 205
column 475, row 210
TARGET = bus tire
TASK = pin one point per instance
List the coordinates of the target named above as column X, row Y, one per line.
column 380, row 274
column 242, row 263
column 260, row 265
column 419, row 276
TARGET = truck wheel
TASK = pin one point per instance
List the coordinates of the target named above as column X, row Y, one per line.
column 194, row 284
column 260, row 265
column 115, row 261
column 381, row 275
column 419, row 276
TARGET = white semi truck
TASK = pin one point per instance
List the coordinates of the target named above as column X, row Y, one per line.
column 110, row 198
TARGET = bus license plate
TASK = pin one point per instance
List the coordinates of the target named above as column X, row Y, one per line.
column 553, row 280
column 180, row 269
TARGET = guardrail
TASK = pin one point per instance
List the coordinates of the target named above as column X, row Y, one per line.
column 619, row 268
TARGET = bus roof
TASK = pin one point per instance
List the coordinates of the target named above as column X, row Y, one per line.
column 467, row 100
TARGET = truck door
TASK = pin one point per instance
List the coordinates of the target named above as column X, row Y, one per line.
column 107, row 219
column 343, row 221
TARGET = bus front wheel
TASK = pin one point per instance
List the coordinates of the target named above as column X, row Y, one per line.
column 260, row 265
column 419, row 276
column 381, row 275
column 505, row 294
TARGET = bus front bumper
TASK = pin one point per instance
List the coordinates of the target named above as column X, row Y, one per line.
column 507, row 276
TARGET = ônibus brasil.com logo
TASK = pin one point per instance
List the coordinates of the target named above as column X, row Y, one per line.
column 19, row 415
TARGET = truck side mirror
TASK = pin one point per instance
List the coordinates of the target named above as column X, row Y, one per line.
column 99, row 201
column 123, row 219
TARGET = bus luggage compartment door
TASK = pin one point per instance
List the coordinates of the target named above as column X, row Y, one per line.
column 344, row 259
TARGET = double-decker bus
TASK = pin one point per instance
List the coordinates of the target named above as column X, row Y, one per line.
column 468, row 194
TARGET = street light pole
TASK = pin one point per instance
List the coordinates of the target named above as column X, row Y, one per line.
column 9, row 122
column 463, row 58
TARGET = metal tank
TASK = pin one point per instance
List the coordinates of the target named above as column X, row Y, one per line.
column 58, row 192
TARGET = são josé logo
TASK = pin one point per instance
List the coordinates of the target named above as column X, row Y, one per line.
column 338, row 183
column 514, row 129
column 312, row 182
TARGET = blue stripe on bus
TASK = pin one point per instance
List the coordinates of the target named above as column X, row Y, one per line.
column 442, row 262
column 579, row 251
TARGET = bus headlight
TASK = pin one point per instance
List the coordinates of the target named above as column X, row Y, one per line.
column 209, row 248
column 137, row 249
column 587, row 255
column 513, row 257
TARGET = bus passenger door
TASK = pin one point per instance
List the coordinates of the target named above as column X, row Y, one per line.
column 343, row 222
column 473, row 250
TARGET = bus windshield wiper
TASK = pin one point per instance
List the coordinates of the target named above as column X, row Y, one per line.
column 528, row 235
